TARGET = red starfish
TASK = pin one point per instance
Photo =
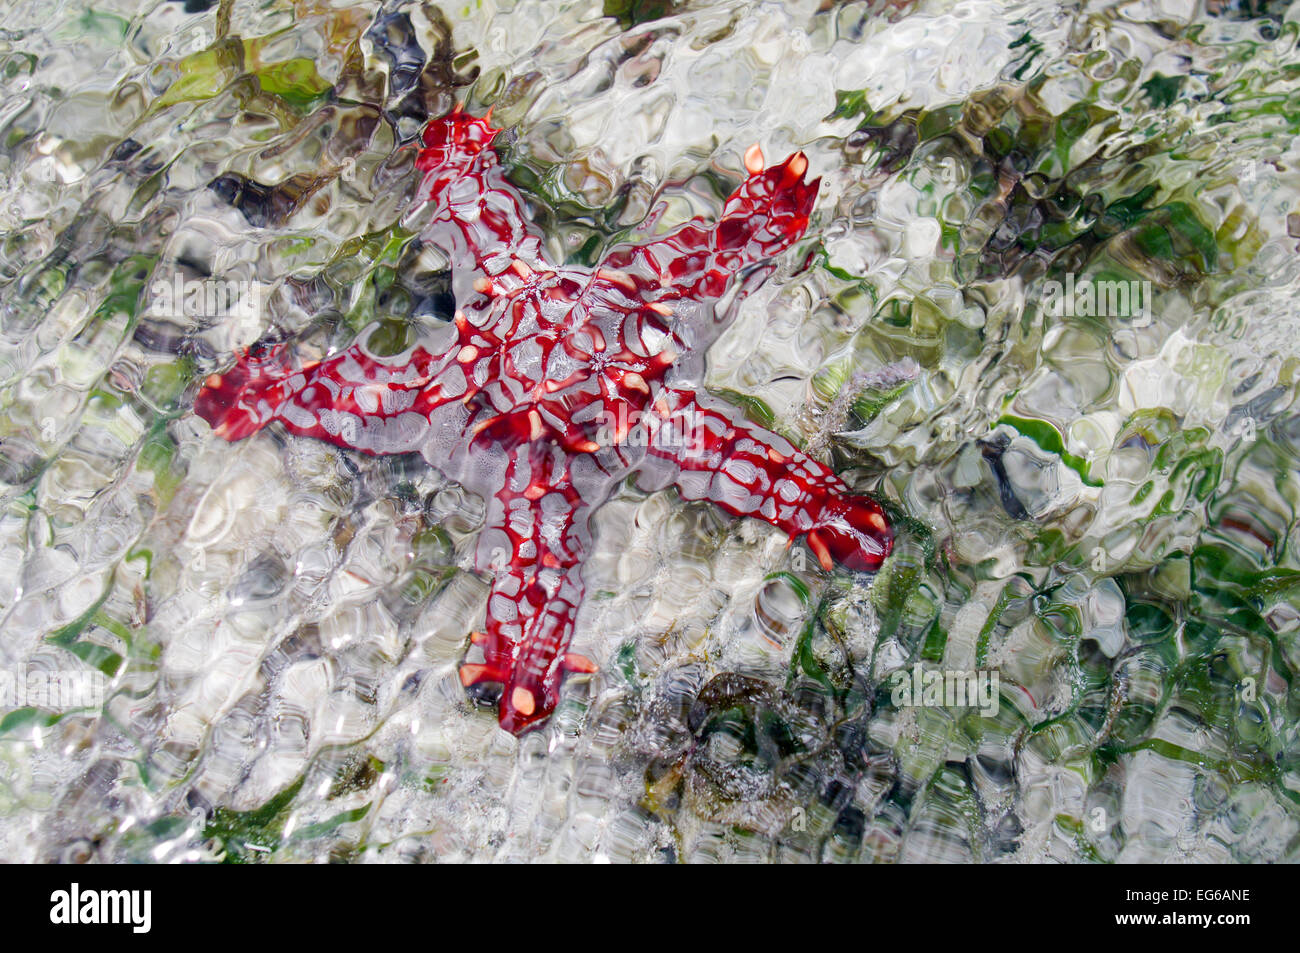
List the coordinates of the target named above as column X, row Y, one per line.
column 554, row 383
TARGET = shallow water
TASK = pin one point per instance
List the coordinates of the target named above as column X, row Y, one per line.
column 1095, row 498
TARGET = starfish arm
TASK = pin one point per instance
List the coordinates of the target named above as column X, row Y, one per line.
column 477, row 216
column 353, row 399
column 766, row 215
column 748, row 471
column 534, row 545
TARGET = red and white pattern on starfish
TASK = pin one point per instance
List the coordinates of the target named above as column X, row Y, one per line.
column 516, row 396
